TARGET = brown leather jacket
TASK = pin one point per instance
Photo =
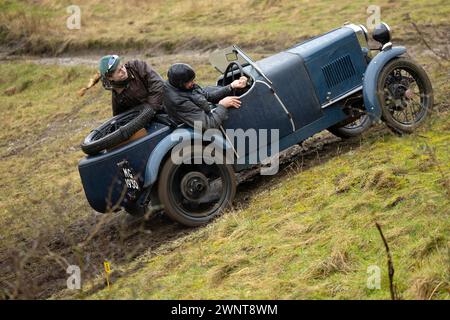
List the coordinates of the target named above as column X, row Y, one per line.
column 145, row 86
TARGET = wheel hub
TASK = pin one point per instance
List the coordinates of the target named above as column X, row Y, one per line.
column 400, row 95
column 409, row 94
column 194, row 185
column 399, row 91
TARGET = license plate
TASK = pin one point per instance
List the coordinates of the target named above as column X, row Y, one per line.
column 130, row 179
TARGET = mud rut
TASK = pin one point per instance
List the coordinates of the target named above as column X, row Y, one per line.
column 40, row 270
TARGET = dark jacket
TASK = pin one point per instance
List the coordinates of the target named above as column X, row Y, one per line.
column 145, row 87
column 197, row 104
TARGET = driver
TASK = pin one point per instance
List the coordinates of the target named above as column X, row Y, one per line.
column 133, row 83
column 186, row 102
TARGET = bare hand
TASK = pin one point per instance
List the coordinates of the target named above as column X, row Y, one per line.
column 240, row 83
column 230, row 102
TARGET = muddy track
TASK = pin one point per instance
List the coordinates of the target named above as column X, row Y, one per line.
column 91, row 59
column 428, row 38
column 38, row 268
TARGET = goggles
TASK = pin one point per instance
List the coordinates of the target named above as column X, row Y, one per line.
column 111, row 62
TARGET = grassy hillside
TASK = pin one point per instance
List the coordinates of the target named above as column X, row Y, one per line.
column 43, row 123
column 167, row 26
column 44, row 215
column 310, row 233
column 307, row 232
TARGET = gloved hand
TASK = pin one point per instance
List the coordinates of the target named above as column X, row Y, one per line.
column 241, row 83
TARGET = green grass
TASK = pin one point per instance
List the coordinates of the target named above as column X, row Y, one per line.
column 305, row 233
column 42, row 127
column 311, row 233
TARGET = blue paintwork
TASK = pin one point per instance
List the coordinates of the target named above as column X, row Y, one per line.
column 322, row 51
column 300, row 100
column 332, row 115
column 303, row 104
column 371, row 78
column 100, row 175
column 166, row 145
column 258, row 106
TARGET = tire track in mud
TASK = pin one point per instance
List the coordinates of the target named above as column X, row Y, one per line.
column 37, row 269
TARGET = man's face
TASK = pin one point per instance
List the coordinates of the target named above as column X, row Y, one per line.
column 119, row 74
column 189, row 85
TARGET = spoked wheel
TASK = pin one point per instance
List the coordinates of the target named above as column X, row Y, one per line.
column 352, row 129
column 405, row 94
column 193, row 194
column 117, row 129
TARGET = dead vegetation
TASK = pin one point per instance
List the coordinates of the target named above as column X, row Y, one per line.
column 338, row 261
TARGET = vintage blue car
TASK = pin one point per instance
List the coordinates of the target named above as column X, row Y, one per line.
column 331, row 82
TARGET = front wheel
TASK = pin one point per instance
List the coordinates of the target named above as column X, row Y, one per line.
column 405, row 94
column 194, row 192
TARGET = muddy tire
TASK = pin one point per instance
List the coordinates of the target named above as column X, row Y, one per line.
column 117, row 129
column 353, row 129
column 405, row 94
column 194, row 194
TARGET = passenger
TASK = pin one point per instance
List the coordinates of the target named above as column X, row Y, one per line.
column 186, row 102
column 133, row 83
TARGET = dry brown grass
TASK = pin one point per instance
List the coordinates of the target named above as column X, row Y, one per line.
column 339, row 261
column 424, row 288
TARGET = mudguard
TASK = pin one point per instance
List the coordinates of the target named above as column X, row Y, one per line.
column 165, row 146
column 370, row 81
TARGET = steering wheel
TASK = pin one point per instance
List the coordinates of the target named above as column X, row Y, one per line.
column 230, row 69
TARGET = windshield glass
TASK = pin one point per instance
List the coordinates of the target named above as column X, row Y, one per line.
column 220, row 59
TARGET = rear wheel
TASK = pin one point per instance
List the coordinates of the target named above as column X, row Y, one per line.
column 193, row 194
column 352, row 129
column 405, row 94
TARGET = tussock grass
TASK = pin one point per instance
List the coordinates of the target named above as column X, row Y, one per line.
column 270, row 249
column 167, row 26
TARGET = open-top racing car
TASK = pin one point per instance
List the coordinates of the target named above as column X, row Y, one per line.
column 331, row 82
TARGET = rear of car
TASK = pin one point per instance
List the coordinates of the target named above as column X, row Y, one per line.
column 108, row 177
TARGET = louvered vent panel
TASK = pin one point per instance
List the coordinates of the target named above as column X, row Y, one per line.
column 338, row 71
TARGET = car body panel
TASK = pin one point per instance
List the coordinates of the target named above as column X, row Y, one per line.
column 100, row 174
column 331, row 116
column 292, row 83
column 165, row 146
column 335, row 63
column 257, row 106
